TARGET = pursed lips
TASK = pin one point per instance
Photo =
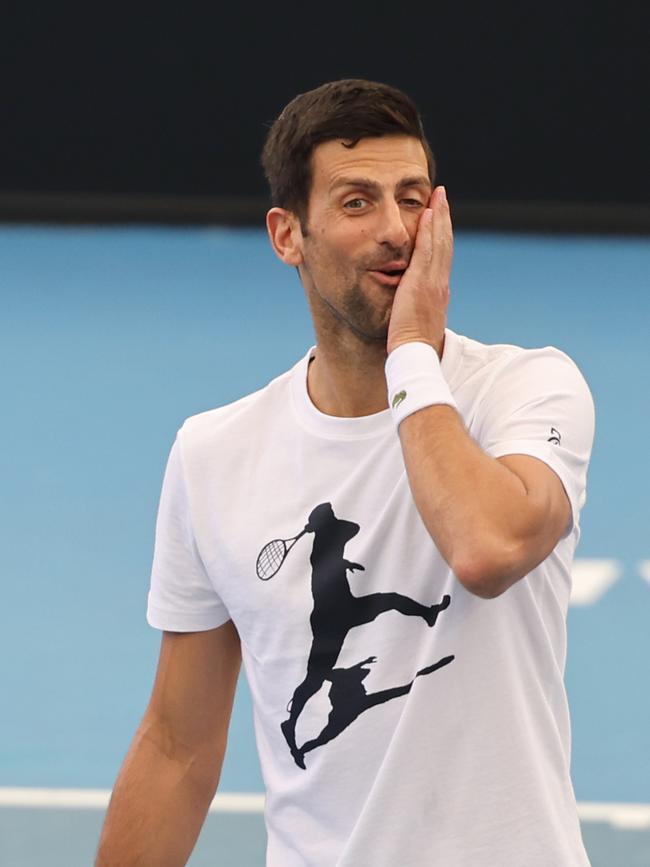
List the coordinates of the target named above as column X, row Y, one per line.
column 389, row 274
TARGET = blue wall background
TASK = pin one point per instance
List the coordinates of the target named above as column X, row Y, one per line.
column 109, row 338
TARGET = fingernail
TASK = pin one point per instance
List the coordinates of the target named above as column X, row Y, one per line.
column 444, row 193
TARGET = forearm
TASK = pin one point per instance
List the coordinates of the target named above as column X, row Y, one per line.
column 159, row 803
column 478, row 512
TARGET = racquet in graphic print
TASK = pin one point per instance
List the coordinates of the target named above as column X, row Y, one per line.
column 273, row 555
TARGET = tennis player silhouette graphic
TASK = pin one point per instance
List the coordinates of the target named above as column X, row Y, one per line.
column 336, row 611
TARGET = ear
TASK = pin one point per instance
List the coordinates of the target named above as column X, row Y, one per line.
column 285, row 235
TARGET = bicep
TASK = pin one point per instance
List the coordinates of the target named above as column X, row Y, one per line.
column 549, row 515
column 194, row 687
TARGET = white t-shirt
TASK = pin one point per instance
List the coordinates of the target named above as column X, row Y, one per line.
column 432, row 724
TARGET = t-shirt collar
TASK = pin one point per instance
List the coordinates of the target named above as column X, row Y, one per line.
column 361, row 427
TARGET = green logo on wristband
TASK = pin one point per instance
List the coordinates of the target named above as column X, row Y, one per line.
column 399, row 397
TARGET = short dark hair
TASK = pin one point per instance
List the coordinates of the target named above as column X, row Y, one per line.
column 350, row 109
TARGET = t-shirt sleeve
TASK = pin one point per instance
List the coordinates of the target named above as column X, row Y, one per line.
column 182, row 597
column 540, row 405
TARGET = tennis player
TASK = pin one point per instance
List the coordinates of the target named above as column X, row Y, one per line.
column 404, row 496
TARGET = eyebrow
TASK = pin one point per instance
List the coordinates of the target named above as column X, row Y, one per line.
column 368, row 184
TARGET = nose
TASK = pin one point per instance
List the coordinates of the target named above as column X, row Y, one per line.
column 391, row 227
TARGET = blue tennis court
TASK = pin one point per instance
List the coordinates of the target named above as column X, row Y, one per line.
column 109, row 338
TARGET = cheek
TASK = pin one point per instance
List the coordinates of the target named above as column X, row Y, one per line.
column 411, row 222
column 334, row 254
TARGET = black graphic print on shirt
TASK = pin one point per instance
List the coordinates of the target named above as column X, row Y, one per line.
column 336, row 611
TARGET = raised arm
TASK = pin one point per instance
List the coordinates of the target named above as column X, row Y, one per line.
column 493, row 520
column 172, row 769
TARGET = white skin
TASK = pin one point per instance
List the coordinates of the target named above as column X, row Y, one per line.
column 370, row 206
column 354, row 229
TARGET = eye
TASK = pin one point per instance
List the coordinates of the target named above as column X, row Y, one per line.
column 412, row 203
column 355, row 204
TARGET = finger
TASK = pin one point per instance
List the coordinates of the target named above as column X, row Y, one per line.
column 441, row 237
column 423, row 247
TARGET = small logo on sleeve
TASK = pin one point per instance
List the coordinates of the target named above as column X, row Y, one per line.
column 555, row 437
column 398, row 398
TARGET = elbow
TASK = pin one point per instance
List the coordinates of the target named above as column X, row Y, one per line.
column 479, row 583
column 488, row 573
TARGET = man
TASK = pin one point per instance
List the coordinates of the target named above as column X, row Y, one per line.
column 408, row 497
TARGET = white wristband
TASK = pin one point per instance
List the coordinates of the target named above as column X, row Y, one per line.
column 415, row 380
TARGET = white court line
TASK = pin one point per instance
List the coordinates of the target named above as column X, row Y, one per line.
column 625, row 816
column 644, row 570
column 592, row 578
column 97, row 799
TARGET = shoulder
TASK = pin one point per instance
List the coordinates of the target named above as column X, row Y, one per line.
column 236, row 426
column 493, row 367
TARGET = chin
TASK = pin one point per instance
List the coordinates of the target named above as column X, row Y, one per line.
column 369, row 335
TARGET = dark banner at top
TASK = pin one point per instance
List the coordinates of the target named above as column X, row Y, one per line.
column 521, row 102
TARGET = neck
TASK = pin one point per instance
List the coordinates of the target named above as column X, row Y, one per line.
column 347, row 379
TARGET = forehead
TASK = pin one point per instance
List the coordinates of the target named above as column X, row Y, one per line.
column 385, row 159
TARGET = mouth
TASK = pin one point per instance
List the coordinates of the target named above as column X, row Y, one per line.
column 388, row 276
